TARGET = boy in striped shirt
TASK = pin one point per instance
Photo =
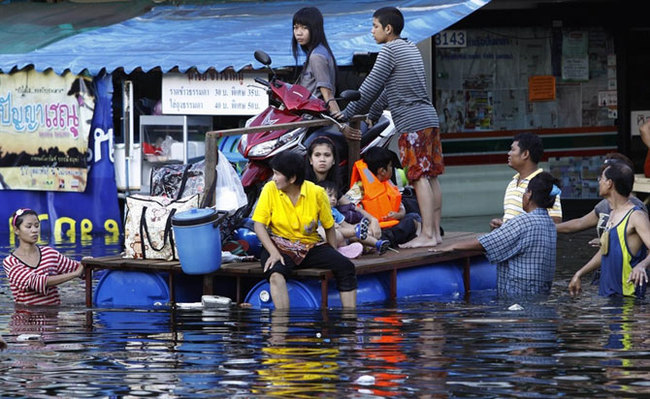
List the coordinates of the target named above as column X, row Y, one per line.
column 397, row 82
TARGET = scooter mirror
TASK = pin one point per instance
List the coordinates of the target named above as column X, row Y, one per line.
column 262, row 57
column 350, row 95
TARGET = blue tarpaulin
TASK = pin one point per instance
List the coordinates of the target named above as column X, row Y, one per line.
column 222, row 36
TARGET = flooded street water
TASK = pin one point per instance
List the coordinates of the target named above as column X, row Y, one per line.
column 587, row 347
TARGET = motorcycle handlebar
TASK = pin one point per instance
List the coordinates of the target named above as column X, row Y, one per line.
column 262, row 82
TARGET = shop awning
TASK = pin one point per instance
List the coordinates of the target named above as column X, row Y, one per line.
column 222, row 36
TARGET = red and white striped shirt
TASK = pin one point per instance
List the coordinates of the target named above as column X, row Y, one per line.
column 28, row 284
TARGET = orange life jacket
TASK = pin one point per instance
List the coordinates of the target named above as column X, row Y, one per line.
column 379, row 198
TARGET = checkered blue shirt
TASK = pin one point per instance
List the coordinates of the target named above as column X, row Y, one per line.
column 524, row 251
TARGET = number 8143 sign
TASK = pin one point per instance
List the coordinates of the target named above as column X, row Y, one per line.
column 451, row 39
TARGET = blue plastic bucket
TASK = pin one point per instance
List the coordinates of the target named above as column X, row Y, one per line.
column 198, row 240
column 307, row 294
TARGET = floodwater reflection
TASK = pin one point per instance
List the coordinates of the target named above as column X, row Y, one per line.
column 585, row 347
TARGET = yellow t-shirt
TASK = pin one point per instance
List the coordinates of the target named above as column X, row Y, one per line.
column 299, row 222
column 513, row 198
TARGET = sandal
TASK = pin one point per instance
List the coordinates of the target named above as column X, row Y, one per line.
column 351, row 251
column 382, row 246
column 361, row 229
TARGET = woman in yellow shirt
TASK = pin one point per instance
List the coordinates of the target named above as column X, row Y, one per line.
column 286, row 219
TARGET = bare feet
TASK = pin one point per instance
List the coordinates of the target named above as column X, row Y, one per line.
column 421, row 241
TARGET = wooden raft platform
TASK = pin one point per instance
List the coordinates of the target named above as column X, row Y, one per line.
column 366, row 264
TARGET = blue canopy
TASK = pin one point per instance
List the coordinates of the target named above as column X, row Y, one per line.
column 222, row 36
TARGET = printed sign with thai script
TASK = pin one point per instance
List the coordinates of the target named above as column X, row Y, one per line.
column 541, row 88
column 44, row 124
column 212, row 93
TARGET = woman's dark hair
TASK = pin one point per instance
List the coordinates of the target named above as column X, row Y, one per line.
column 390, row 16
column 20, row 214
column 312, row 18
column 540, row 188
column 290, row 164
column 333, row 174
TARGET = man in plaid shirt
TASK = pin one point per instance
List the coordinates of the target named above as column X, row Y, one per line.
column 523, row 248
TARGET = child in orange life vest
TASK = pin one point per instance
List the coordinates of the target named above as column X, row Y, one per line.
column 346, row 228
column 379, row 199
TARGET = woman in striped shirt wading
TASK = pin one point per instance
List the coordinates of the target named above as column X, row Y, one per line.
column 33, row 271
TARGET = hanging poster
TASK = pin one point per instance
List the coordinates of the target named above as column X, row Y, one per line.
column 44, row 124
column 478, row 109
column 70, row 216
column 541, row 88
column 575, row 56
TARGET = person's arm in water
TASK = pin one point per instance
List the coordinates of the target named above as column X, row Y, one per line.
column 574, row 285
column 265, row 239
column 579, row 224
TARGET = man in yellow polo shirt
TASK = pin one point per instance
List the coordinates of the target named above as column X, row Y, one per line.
column 525, row 153
column 286, row 220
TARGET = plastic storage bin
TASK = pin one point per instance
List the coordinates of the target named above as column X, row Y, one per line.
column 198, row 240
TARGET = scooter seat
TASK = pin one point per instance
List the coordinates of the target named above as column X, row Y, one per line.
column 369, row 135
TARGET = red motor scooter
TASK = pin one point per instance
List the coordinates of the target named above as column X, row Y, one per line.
column 287, row 103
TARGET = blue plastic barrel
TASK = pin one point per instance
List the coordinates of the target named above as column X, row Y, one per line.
column 307, row 294
column 438, row 280
column 125, row 289
column 136, row 289
column 198, row 240
column 482, row 274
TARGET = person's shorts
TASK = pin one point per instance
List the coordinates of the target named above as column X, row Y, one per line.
column 421, row 153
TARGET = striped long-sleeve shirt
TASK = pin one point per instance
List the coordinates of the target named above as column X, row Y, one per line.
column 29, row 284
column 397, row 80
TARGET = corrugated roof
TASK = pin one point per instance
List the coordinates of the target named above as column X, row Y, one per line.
column 222, row 36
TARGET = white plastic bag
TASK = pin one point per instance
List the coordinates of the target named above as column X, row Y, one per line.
column 229, row 195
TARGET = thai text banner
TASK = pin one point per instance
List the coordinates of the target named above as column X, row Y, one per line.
column 213, row 93
column 44, row 124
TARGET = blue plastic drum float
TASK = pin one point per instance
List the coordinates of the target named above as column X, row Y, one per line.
column 198, row 242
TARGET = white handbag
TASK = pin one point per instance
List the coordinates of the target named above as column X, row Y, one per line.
column 148, row 232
